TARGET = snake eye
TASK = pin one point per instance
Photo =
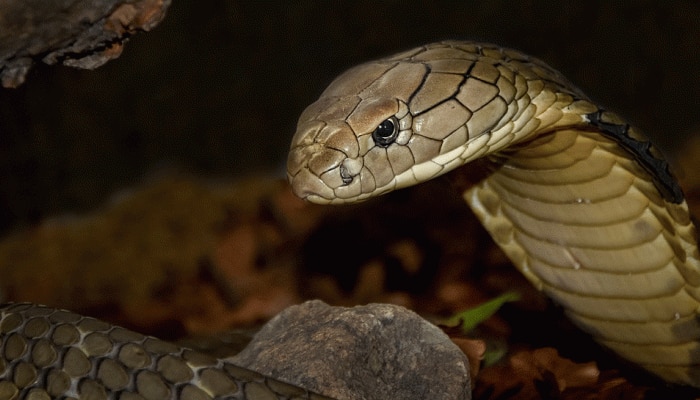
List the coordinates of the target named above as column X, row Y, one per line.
column 386, row 132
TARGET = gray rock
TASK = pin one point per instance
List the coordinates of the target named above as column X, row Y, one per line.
column 378, row 351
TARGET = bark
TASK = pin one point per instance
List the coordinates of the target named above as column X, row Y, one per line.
column 77, row 33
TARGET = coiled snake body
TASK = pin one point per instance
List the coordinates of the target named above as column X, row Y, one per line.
column 578, row 200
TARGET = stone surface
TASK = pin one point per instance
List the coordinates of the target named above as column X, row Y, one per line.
column 378, row 351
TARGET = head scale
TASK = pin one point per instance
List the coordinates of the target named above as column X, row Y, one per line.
column 393, row 122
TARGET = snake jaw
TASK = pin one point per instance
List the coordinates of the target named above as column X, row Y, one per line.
column 324, row 162
column 336, row 185
column 310, row 187
column 305, row 183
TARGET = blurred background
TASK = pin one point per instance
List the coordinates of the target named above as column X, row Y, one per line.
column 217, row 87
column 150, row 192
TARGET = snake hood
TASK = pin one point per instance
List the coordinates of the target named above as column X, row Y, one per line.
column 410, row 117
column 576, row 197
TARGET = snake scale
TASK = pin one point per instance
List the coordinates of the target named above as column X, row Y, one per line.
column 579, row 200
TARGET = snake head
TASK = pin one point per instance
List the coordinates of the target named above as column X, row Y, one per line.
column 381, row 126
column 407, row 118
column 351, row 143
column 347, row 148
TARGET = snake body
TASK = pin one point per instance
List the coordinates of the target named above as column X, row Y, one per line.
column 579, row 200
column 56, row 354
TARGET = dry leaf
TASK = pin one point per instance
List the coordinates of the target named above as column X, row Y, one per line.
column 474, row 350
column 541, row 373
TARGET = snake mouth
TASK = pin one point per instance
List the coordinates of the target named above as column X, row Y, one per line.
column 322, row 174
column 336, row 185
column 310, row 187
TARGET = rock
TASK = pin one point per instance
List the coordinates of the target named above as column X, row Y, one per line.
column 377, row 351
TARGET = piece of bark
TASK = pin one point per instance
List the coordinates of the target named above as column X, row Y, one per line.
column 77, row 33
column 378, row 351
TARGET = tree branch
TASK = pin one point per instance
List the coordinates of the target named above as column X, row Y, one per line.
column 77, row 33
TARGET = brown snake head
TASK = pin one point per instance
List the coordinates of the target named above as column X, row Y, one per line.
column 410, row 117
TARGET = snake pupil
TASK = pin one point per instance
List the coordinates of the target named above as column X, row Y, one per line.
column 386, row 132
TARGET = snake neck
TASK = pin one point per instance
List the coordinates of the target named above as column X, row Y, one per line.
column 587, row 224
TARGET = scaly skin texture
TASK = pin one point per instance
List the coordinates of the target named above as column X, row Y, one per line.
column 55, row 354
column 580, row 201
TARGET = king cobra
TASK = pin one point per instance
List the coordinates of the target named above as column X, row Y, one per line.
column 578, row 199
column 580, row 202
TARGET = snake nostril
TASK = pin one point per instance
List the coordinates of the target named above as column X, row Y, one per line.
column 345, row 175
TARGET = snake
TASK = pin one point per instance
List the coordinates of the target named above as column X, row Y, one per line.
column 580, row 201
column 577, row 198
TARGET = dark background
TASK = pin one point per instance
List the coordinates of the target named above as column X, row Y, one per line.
column 217, row 87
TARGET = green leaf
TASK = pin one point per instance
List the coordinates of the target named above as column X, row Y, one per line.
column 495, row 352
column 469, row 319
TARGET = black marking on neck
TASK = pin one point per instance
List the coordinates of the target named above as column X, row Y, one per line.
column 658, row 168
